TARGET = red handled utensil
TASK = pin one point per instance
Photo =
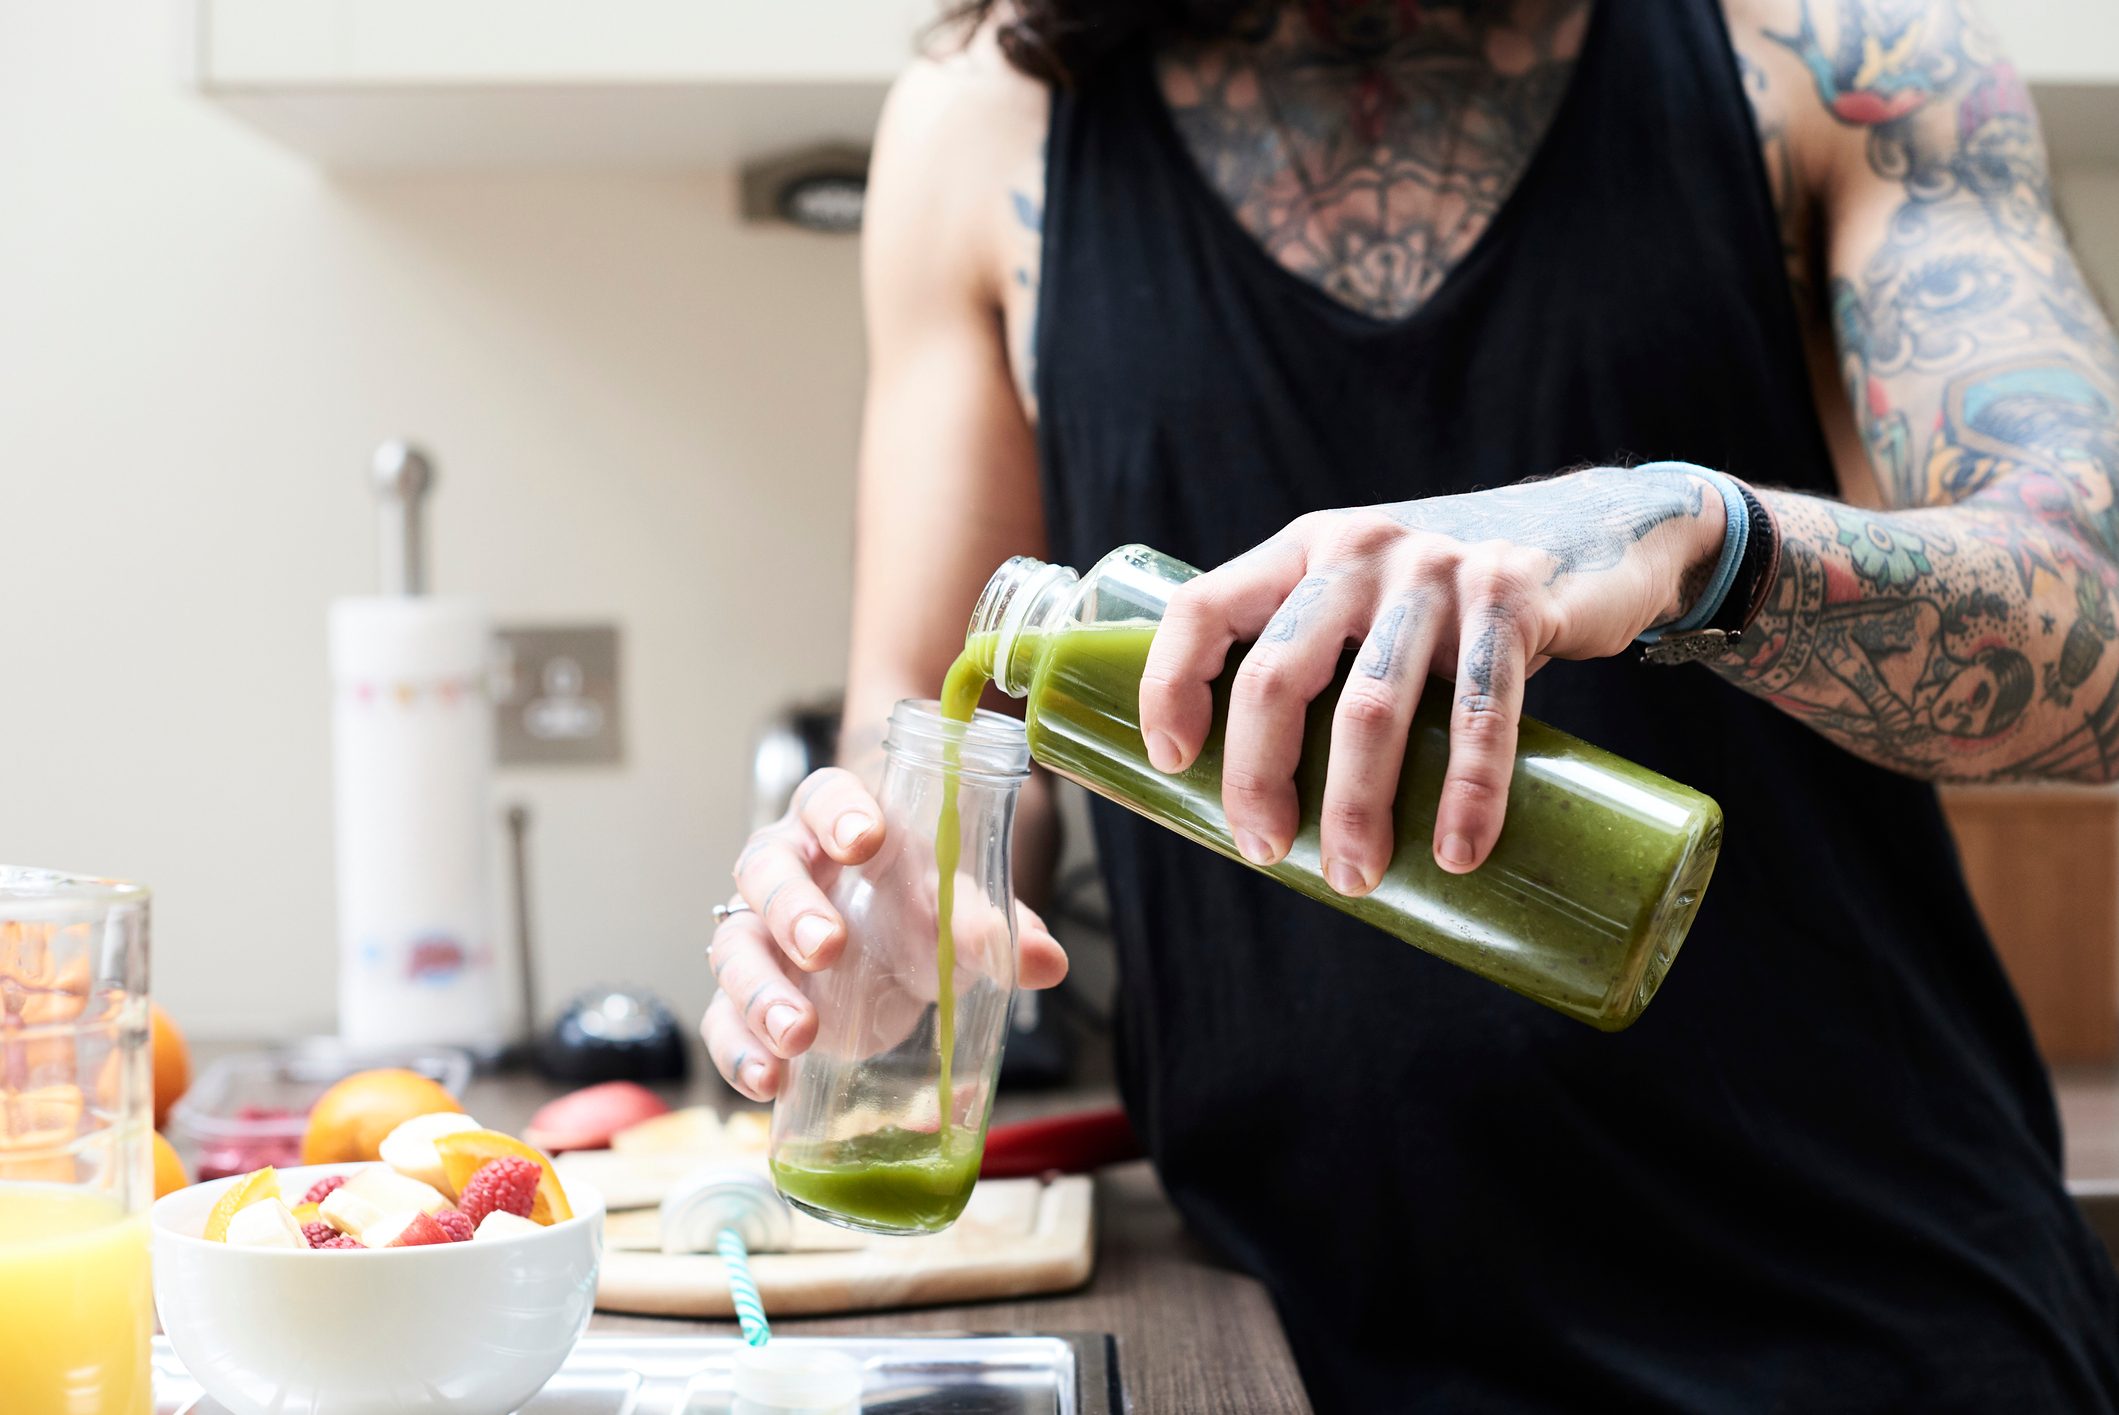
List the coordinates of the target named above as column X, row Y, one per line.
column 1064, row 1144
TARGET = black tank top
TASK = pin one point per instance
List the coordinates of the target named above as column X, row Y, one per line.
column 1822, row 1172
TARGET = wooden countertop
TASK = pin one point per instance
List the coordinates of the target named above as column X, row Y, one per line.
column 1193, row 1335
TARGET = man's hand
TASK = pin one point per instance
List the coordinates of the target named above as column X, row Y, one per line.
column 759, row 1019
column 1482, row 588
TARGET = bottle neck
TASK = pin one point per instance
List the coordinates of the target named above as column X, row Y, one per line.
column 1024, row 599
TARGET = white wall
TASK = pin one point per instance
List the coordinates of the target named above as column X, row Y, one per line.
column 642, row 411
column 2089, row 204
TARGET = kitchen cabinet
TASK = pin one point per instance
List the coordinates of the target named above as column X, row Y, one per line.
column 2043, row 864
column 679, row 83
column 549, row 83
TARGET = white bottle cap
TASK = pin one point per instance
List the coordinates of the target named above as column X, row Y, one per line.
column 783, row 1378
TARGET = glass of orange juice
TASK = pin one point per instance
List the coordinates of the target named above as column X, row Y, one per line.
column 76, row 1171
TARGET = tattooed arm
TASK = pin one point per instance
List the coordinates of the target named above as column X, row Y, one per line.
column 1966, row 631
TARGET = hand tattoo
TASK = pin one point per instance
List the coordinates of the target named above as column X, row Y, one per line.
column 1480, row 662
column 1287, row 621
column 1587, row 521
column 1380, row 659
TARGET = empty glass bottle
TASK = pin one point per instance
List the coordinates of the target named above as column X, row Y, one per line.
column 1582, row 904
column 881, row 1124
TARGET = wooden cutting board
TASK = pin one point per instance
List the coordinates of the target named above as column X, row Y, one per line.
column 1017, row 1237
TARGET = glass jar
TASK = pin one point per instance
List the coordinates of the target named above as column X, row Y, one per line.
column 1581, row 906
column 76, row 1170
column 881, row 1124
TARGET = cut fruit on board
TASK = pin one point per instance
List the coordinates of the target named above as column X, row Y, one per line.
column 686, row 1131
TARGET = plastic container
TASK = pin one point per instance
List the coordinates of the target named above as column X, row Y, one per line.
column 881, row 1124
column 249, row 1110
column 1581, row 906
column 782, row 1379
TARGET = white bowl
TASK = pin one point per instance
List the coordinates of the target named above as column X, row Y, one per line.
column 471, row 1328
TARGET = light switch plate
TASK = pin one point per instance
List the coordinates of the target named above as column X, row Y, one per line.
column 555, row 699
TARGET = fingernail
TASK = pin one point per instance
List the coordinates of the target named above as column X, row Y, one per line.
column 753, row 1074
column 780, row 1018
column 1254, row 848
column 851, row 827
column 1456, row 850
column 811, row 934
column 1162, row 752
column 1345, row 878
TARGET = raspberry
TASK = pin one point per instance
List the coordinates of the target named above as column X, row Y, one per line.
column 342, row 1240
column 420, row 1233
column 321, row 1190
column 507, row 1185
column 456, row 1224
column 318, row 1233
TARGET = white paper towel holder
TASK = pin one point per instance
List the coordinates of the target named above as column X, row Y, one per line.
column 413, row 749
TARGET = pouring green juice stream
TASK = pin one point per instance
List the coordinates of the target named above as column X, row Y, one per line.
column 1581, row 906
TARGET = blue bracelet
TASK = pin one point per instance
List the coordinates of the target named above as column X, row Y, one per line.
column 1736, row 533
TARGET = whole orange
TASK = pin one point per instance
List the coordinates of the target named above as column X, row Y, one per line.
column 170, row 1174
column 172, row 1062
column 350, row 1120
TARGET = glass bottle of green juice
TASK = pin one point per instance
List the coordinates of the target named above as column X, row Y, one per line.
column 1582, row 904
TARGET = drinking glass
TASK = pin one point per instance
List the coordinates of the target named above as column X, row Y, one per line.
column 76, row 1170
column 881, row 1124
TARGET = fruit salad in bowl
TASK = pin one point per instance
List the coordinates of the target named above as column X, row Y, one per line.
column 453, row 1273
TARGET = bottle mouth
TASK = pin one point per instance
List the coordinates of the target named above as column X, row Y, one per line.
column 1022, row 593
column 992, row 746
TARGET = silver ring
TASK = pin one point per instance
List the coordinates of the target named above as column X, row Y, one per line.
column 724, row 912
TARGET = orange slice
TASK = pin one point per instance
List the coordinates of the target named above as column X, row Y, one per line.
column 258, row 1185
column 462, row 1154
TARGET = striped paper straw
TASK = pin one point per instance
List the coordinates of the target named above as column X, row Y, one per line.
column 750, row 1312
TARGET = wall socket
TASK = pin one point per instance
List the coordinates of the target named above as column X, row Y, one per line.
column 555, row 698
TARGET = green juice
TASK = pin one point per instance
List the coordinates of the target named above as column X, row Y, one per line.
column 894, row 1180
column 1581, row 906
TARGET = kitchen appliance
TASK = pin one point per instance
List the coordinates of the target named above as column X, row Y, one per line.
column 412, row 731
column 613, row 1034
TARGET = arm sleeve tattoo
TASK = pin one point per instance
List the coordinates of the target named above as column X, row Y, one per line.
column 1967, row 631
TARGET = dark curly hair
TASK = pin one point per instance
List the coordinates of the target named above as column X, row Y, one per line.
column 1066, row 41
